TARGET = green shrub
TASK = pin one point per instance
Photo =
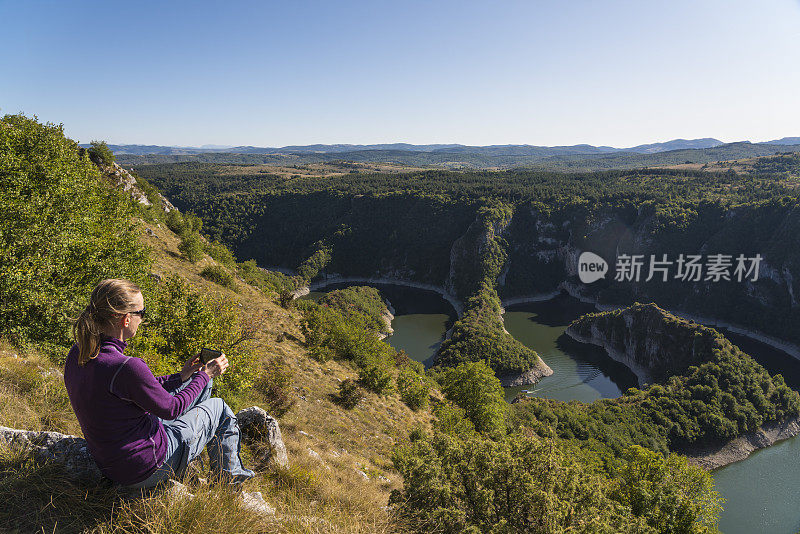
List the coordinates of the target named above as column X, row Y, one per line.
column 475, row 388
column 183, row 321
column 61, row 232
column 221, row 254
column 191, row 246
column 451, row 419
column 218, row 275
column 527, row 484
column 175, row 222
column 275, row 383
column 267, row 280
column 413, row 388
column 100, row 153
column 350, row 394
column 670, row 494
column 376, row 377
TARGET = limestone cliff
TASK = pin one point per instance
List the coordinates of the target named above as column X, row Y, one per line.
column 544, row 250
column 652, row 342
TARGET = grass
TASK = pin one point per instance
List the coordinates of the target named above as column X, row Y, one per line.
column 33, row 393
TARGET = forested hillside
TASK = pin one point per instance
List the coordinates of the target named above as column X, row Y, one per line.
column 409, row 226
column 569, row 158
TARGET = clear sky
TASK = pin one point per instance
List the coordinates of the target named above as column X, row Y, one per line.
column 275, row 73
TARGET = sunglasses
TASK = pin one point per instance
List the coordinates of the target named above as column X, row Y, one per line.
column 141, row 313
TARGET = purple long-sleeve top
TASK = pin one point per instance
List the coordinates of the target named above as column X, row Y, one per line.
column 120, row 404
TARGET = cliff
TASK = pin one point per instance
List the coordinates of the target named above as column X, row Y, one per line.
column 652, row 342
column 709, row 400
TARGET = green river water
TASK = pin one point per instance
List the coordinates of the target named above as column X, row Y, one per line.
column 762, row 493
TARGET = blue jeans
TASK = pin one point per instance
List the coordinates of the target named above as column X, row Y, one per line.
column 206, row 422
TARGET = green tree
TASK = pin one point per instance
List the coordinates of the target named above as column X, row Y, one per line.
column 183, row 321
column 670, row 494
column 191, row 246
column 413, row 388
column 474, row 387
column 100, row 153
column 61, row 232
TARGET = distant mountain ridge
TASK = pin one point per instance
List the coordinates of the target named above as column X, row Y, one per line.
column 489, row 150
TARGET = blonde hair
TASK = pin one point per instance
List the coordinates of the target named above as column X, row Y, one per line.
column 110, row 299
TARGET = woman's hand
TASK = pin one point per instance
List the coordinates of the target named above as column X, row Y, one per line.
column 216, row 367
column 192, row 364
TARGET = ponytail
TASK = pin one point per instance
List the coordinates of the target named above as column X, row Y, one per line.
column 110, row 299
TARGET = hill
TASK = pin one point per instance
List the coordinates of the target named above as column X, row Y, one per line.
column 564, row 159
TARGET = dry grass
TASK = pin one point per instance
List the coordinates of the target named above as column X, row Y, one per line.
column 33, row 393
column 307, row 498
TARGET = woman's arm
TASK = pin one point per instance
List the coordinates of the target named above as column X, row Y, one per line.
column 170, row 382
column 135, row 382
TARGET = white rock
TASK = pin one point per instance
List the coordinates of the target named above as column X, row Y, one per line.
column 255, row 423
column 255, row 502
column 178, row 491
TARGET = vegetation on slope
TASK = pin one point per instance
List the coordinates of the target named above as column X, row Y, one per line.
column 270, row 367
column 61, row 231
column 722, row 394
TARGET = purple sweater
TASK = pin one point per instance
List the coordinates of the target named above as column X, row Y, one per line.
column 118, row 403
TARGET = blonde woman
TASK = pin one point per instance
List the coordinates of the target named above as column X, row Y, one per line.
column 141, row 429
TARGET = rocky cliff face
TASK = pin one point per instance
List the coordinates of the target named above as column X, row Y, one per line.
column 125, row 181
column 652, row 342
column 544, row 251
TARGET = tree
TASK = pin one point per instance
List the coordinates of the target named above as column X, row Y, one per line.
column 100, row 153
column 191, row 247
column 474, row 387
column 670, row 494
column 61, row 232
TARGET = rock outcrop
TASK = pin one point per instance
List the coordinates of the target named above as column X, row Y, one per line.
column 125, row 181
column 526, row 378
column 740, row 447
column 69, row 451
column 255, row 423
column 650, row 341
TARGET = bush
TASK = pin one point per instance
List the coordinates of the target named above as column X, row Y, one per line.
column 350, row 394
column 100, row 153
column 191, row 246
column 61, row 232
column 267, row 280
column 527, row 484
column 183, row 321
column 221, row 254
column 175, row 222
column 275, row 383
column 183, row 223
column 218, row 275
column 376, row 377
column 413, row 388
column 475, row 388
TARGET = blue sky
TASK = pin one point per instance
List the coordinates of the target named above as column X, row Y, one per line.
column 273, row 73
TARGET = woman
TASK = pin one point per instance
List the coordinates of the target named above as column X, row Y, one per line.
column 142, row 430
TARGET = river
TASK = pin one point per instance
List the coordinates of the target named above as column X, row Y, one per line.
column 762, row 493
